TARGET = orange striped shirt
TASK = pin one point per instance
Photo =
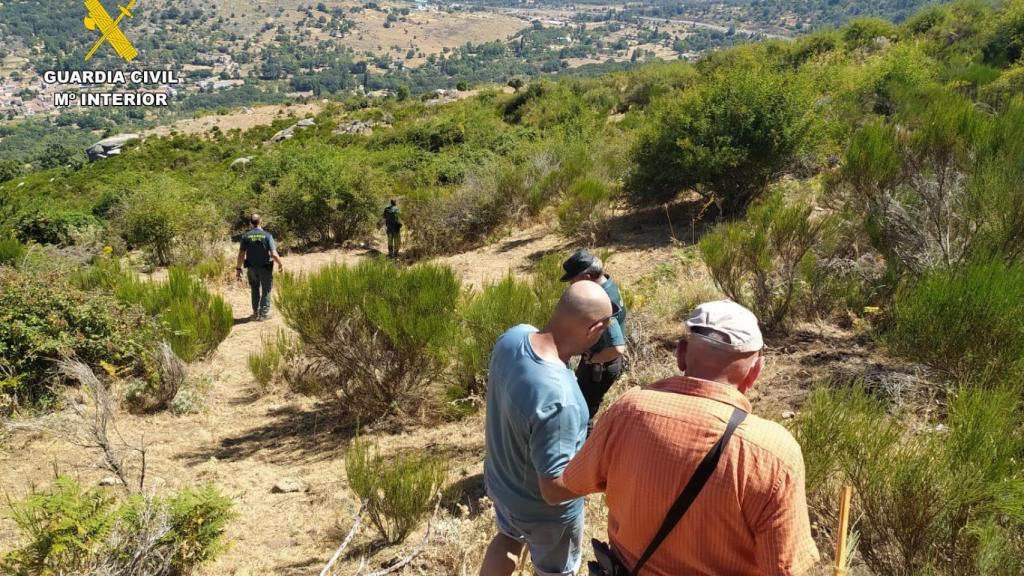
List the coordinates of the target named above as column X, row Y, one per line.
column 750, row 519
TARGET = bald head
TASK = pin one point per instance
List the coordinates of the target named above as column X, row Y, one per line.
column 256, row 219
column 580, row 318
column 585, row 301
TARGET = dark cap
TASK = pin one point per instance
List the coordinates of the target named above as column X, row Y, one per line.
column 577, row 264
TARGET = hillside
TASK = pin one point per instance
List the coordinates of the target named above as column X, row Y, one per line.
column 858, row 188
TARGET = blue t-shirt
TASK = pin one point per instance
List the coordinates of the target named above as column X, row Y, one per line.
column 258, row 245
column 536, row 423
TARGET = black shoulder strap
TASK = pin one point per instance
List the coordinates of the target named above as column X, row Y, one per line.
column 693, row 487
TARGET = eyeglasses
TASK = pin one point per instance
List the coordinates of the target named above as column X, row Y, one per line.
column 606, row 320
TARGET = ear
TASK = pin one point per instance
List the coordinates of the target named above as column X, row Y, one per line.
column 753, row 374
column 681, row 354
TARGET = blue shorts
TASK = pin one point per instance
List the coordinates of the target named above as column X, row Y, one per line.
column 554, row 546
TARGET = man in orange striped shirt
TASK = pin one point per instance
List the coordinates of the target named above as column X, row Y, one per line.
column 751, row 517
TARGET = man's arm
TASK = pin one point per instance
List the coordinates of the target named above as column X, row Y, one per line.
column 553, row 439
column 555, row 491
column 274, row 255
column 241, row 261
column 608, row 355
column 783, row 531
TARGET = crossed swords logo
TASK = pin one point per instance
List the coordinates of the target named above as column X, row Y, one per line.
column 99, row 18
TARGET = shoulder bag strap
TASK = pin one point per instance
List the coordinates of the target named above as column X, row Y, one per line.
column 693, row 487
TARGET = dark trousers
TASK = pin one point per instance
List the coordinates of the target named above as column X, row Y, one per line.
column 595, row 380
column 394, row 242
column 261, row 282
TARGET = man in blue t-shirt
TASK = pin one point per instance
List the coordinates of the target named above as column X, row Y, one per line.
column 257, row 252
column 600, row 366
column 536, row 422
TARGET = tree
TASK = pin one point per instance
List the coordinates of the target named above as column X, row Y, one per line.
column 727, row 140
column 9, row 170
column 59, row 154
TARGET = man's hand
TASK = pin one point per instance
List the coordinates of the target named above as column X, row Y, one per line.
column 280, row 266
column 238, row 274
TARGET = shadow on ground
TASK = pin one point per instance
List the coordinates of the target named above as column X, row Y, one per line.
column 683, row 222
column 307, row 434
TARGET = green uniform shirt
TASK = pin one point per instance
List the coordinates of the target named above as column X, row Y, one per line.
column 615, row 335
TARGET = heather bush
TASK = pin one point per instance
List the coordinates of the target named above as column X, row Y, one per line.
column 378, row 335
column 583, row 212
column 326, row 196
column 945, row 500
column 398, row 492
column 11, row 252
column 70, row 530
column 266, row 363
column 194, row 321
column 936, row 185
column 486, row 316
column 763, row 262
column 968, row 323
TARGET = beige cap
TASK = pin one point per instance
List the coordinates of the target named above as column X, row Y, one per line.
column 735, row 327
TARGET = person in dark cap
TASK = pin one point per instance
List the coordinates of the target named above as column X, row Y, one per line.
column 601, row 366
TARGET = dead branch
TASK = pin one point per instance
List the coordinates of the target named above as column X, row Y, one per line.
column 416, row 551
column 348, row 539
column 95, row 436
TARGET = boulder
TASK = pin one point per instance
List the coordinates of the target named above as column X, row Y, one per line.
column 109, row 146
column 289, row 132
column 241, row 162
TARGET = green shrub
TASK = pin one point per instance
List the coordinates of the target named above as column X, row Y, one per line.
column 939, row 501
column 486, row 316
column 326, row 195
column 728, row 139
column 488, row 200
column 583, row 212
column 264, row 365
column 43, row 317
column 51, row 225
column 11, row 252
column 76, row 531
column 397, row 493
column 936, row 186
column 969, row 323
column 194, row 321
column 861, row 32
column 165, row 216
column 380, row 334
column 763, row 262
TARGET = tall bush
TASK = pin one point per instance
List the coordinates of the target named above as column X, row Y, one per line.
column 583, row 212
column 326, row 196
column 379, row 334
column 167, row 218
column 398, row 493
column 937, row 502
column 728, row 139
column 11, row 251
column 194, row 320
column 969, row 323
column 764, row 261
column 935, row 185
column 486, row 316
